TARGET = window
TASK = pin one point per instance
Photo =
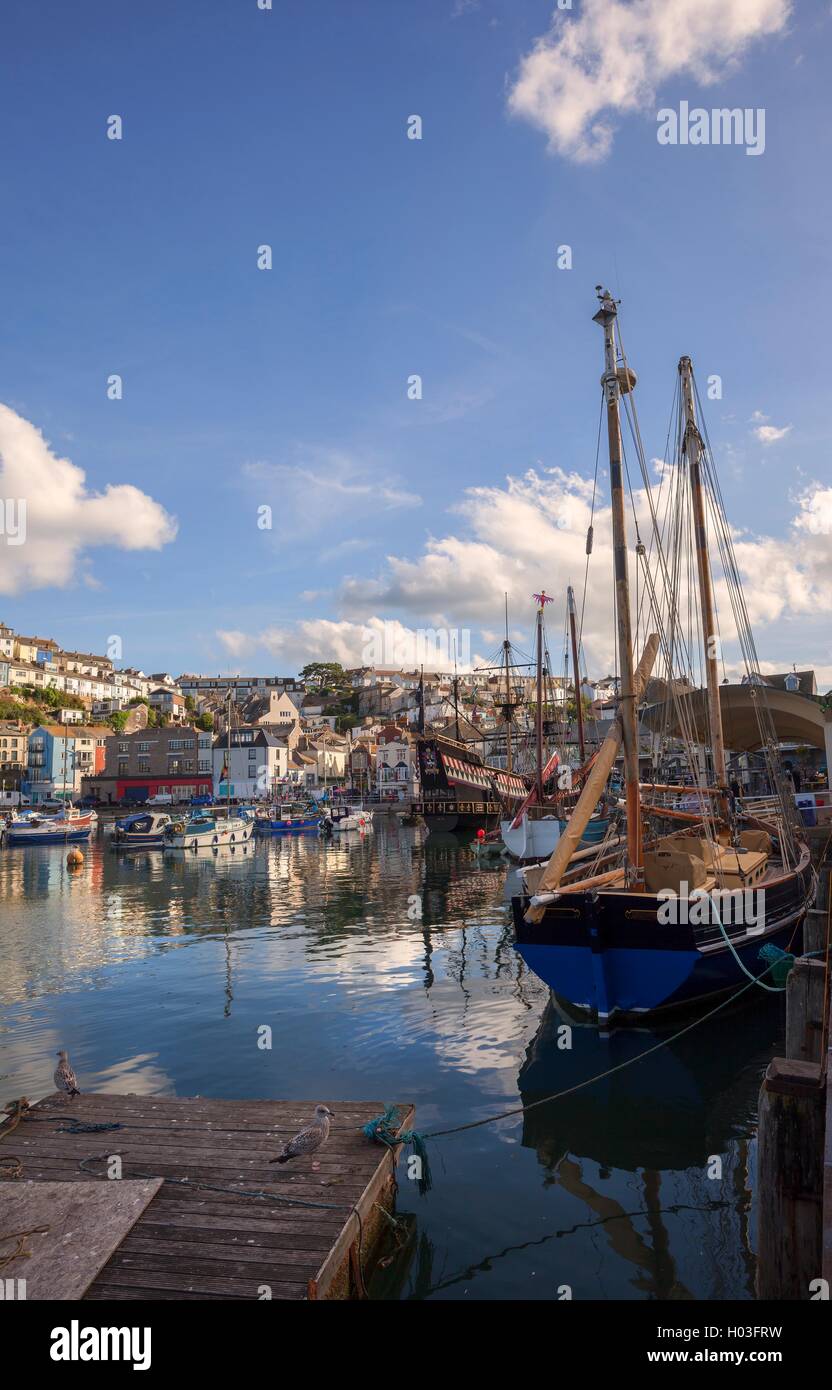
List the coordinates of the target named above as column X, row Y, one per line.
column 143, row 747
column 124, row 748
column 143, row 765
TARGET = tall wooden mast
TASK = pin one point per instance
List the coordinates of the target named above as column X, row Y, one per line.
column 692, row 448
column 507, row 655
column 570, row 602
column 615, row 381
column 538, row 723
column 541, row 600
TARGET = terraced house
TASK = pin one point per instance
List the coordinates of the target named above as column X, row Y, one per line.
column 61, row 757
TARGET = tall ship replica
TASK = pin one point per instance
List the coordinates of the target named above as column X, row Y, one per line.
column 703, row 892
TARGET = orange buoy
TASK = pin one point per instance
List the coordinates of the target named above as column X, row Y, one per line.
column 74, row 859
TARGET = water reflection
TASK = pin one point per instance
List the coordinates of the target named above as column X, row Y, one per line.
column 385, row 969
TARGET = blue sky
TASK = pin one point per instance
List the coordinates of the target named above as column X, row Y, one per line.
column 288, row 387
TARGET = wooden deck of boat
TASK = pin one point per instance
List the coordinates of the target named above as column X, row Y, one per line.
column 197, row 1243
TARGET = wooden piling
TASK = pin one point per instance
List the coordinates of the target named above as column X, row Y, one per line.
column 804, row 1010
column 794, row 1161
column 790, row 1179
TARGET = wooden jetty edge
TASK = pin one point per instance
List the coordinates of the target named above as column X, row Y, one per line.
column 197, row 1242
column 794, row 1162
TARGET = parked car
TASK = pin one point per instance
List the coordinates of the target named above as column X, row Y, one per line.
column 160, row 799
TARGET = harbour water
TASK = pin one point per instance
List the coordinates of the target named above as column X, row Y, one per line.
column 159, row 974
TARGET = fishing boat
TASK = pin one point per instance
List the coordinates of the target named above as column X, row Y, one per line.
column 143, row 830
column 700, row 899
column 287, row 819
column 33, row 828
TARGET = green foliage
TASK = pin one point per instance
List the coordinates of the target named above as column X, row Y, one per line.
column 327, row 676
column 47, row 697
column 118, row 720
column 205, row 721
column 20, row 711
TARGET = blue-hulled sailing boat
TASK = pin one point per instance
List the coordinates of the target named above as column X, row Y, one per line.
column 685, row 909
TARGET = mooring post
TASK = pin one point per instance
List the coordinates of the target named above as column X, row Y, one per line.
column 816, row 925
column 804, row 1010
column 790, row 1179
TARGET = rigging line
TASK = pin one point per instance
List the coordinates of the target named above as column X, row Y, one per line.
column 591, row 513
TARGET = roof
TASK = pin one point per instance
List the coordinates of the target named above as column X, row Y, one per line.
column 77, row 730
column 806, row 678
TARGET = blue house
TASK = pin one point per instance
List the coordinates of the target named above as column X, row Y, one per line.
column 52, row 767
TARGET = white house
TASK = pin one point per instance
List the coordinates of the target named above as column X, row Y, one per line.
column 257, row 763
column 395, row 764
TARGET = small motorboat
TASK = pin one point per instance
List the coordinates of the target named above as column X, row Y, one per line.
column 210, row 828
column 340, row 818
column 33, row 828
column 286, row 819
column 142, row 830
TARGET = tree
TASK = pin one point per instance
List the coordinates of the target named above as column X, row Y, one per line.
column 205, row 721
column 118, row 720
column 325, row 673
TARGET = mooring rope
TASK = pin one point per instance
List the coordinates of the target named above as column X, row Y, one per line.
column 21, row 1237
column 599, row 1076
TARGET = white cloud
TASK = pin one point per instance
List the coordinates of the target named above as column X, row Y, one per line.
column 237, row 644
column 531, row 534
column 333, row 489
column 64, row 519
column 815, row 515
column 770, row 434
column 611, row 58
column 376, row 641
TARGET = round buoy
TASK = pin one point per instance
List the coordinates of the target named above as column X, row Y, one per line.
column 480, row 834
column 74, row 859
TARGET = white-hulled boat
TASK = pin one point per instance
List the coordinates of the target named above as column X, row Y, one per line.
column 209, row 828
column 349, row 818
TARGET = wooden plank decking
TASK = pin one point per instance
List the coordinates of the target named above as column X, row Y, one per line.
column 195, row 1243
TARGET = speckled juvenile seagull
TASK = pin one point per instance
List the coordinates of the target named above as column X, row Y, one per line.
column 65, row 1079
column 306, row 1141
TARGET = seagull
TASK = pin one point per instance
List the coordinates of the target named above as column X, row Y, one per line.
column 65, row 1079
column 307, row 1140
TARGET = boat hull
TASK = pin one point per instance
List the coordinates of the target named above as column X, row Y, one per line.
column 211, row 838
column 610, row 956
column 128, row 841
column 465, row 817
column 47, row 837
column 282, row 827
